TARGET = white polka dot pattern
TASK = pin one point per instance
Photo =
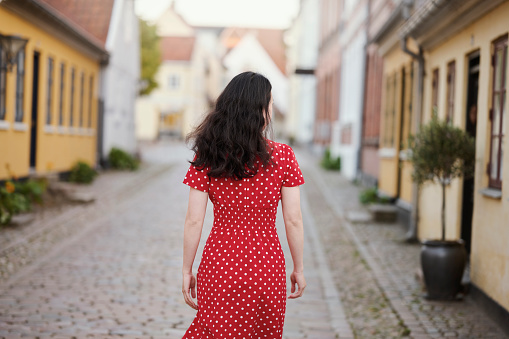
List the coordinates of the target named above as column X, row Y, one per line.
column 242, row 277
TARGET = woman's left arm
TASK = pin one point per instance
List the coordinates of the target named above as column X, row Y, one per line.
column 193, row 226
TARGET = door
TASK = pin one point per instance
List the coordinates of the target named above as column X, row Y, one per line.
column 35, row 97
column 471, row 128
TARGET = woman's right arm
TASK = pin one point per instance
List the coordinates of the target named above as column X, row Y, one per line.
column 196, row 209
column 292, row 216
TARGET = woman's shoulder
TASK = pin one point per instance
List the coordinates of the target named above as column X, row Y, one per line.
column 278, row 146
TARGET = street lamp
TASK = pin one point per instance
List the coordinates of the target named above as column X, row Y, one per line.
column 11, row 45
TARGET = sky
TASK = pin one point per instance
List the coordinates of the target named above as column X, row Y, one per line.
column 243, row 13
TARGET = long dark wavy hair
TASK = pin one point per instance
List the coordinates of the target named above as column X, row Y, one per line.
column 231, row 141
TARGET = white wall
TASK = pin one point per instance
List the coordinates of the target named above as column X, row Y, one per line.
column 351, row 98
column 302, row 52
column 121, row 79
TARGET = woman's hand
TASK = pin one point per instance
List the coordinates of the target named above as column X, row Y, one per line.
column 189, row 289
column 297, row 278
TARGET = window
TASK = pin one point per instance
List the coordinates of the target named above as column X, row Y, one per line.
column 451, row 75
column 390, row 111
column 49, row 98
column 434, row 92
column 71, row 111
column 90, row 92
column 497, row 112
column 174, row 81
column 3, row 72
column 82, row 90
column 61, row 103
column 406, row 113
column 20, row 85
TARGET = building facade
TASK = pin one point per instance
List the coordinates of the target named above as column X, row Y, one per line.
column 48, row 99
column 451, row 58
column 302, row 56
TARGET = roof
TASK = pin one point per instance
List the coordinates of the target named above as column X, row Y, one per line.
column 94, row 16
column 270, row 39
column 177, row 48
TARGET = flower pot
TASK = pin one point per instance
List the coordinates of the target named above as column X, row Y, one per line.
column 442, row 264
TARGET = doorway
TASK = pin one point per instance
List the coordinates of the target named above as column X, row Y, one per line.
column 33, row 126
column 471, row 128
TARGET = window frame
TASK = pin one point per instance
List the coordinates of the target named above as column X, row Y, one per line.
column 500, row 43
column 20, row 85
column 3, row 86
column 71, row 97
column 82, row 100
column 61, row 99
column 49, row 93
column 451, row 89
column 90, row 99
column 434, row 90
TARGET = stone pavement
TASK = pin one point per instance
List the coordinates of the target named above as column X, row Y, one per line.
column 374, row 270
column 117, row 274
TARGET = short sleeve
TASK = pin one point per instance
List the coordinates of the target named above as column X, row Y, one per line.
column 293, row 174
column 197, row 179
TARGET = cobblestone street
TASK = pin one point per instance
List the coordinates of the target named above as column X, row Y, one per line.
column 112, row 269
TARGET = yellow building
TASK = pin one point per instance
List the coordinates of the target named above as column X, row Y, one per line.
column 48, row 98
column 461, row 47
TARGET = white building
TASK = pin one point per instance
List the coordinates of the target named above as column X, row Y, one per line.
column 120, row 79
column 302, row 55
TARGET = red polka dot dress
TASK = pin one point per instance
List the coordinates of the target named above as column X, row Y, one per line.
column 242, row 277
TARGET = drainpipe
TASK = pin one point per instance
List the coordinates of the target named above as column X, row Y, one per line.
column 411, row 235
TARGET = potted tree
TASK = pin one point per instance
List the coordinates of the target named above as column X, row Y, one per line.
column 440, row 152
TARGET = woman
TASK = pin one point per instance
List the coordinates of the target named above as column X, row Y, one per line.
column 241, row 278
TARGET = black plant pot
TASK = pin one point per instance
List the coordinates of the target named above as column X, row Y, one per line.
column 442, row 264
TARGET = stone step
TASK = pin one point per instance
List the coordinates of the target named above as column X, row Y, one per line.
column 383, row 212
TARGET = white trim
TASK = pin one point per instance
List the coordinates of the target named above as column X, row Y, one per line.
column 62, row 130
column 387, row 152
column 20, row 126
column 491, row 193
column 403, row 154
column 4, row 125
column 50, row 129
column 90, row 132
column 83, row 130
column 74, row 130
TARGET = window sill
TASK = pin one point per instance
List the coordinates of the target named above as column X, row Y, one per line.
column 62, row 130
column 19, row 126
column 4, row 125
column 50, row 129
column 387, row 152
column 74, row 130
column 491, row 193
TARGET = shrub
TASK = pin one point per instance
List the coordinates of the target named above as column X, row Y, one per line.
column 329, row 163
column 370, row 196
column 17, row 197
column 82, row 173
column 119, row 159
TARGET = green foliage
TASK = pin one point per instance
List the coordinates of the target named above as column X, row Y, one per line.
column 370, row 196
column 122, row 160
column 82, row 173
column 329, row 163
column 150, row 56
column 17, row 197
column 440, row 151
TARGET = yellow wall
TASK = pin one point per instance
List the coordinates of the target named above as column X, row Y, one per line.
column 490, row 231
column 57, row 150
